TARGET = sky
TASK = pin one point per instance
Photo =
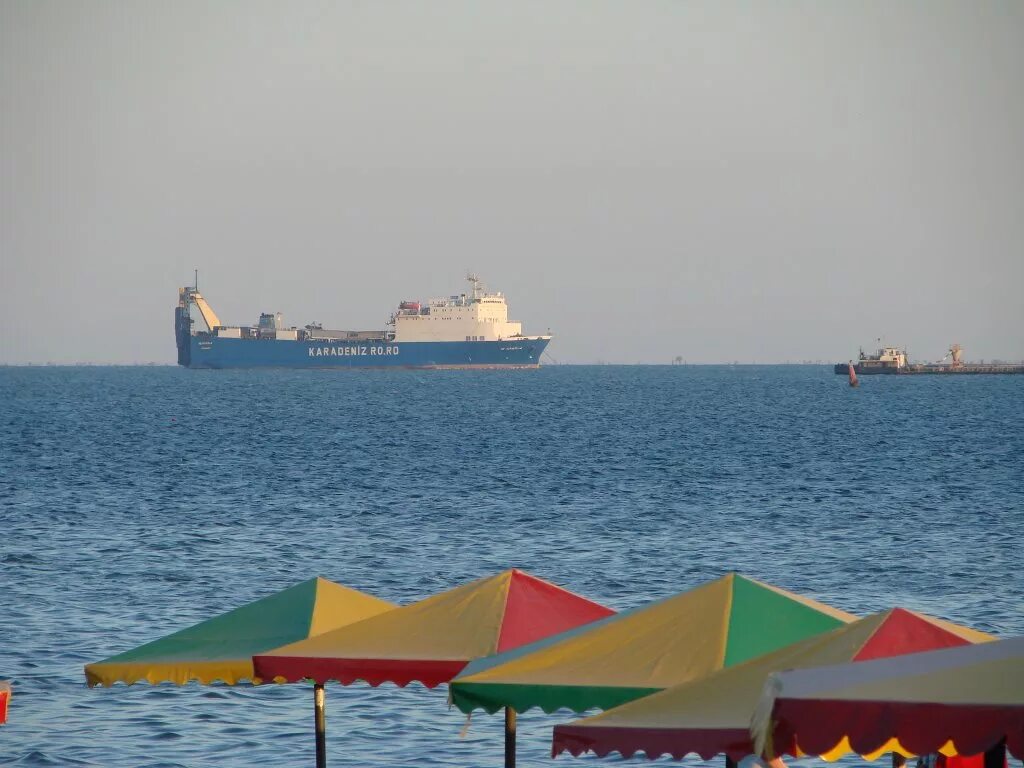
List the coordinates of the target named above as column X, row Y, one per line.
column 719, row 181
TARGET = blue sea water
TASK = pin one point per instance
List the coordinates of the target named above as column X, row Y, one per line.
column 137, row 501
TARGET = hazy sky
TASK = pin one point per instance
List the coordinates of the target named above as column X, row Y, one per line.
column 721, row 181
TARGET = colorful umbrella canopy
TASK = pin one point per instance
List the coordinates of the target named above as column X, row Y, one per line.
column 956, row 701
column 639, row 652
column 221, row 648
column 712, row 715
column 433, row 639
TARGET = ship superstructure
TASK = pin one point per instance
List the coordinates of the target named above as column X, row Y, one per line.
column 467, row 330
column 886, row 360
column 476, row 316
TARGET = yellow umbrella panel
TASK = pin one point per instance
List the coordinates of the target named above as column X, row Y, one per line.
column 221, row 648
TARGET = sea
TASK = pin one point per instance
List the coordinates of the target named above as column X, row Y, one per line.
column 136, row 501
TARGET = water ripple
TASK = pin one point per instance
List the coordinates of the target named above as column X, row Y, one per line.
column 135, row 502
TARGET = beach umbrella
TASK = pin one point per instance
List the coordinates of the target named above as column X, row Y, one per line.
column 221, row 648
column 430, row 641
column 712, row 715
column 5, row 698
column 644, row 650
column 958, row 701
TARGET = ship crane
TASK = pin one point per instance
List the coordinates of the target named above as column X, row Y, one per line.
column 191, row 295
column 209, row 316
column 955, row 352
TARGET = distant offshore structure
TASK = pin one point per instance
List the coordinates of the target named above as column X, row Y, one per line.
column 893, row 361
column 460, row 331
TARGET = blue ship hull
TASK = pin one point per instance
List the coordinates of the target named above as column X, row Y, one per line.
column 215, row 352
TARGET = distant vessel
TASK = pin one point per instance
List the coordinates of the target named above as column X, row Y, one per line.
column 461, row 331
column 893, row 360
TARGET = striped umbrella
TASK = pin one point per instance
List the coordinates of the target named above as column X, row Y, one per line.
column 711, row 715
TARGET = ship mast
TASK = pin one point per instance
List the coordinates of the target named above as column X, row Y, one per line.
column 478, row 286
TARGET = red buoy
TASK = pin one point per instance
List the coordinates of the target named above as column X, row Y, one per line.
column 853, row 376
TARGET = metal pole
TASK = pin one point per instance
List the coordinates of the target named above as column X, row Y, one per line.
column 510, row 737
column 321, row 725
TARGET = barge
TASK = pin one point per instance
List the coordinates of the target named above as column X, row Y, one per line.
column 894, row 361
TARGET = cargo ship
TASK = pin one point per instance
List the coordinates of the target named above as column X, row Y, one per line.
column 893, row 360
column 466, row 330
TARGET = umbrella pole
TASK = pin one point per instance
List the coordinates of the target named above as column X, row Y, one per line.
column 510, row 737
column 730, row 763
column 898, row 760
column 996, row 756
column 320, row 720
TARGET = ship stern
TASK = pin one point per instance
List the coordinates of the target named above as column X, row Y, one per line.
column 183, row 335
